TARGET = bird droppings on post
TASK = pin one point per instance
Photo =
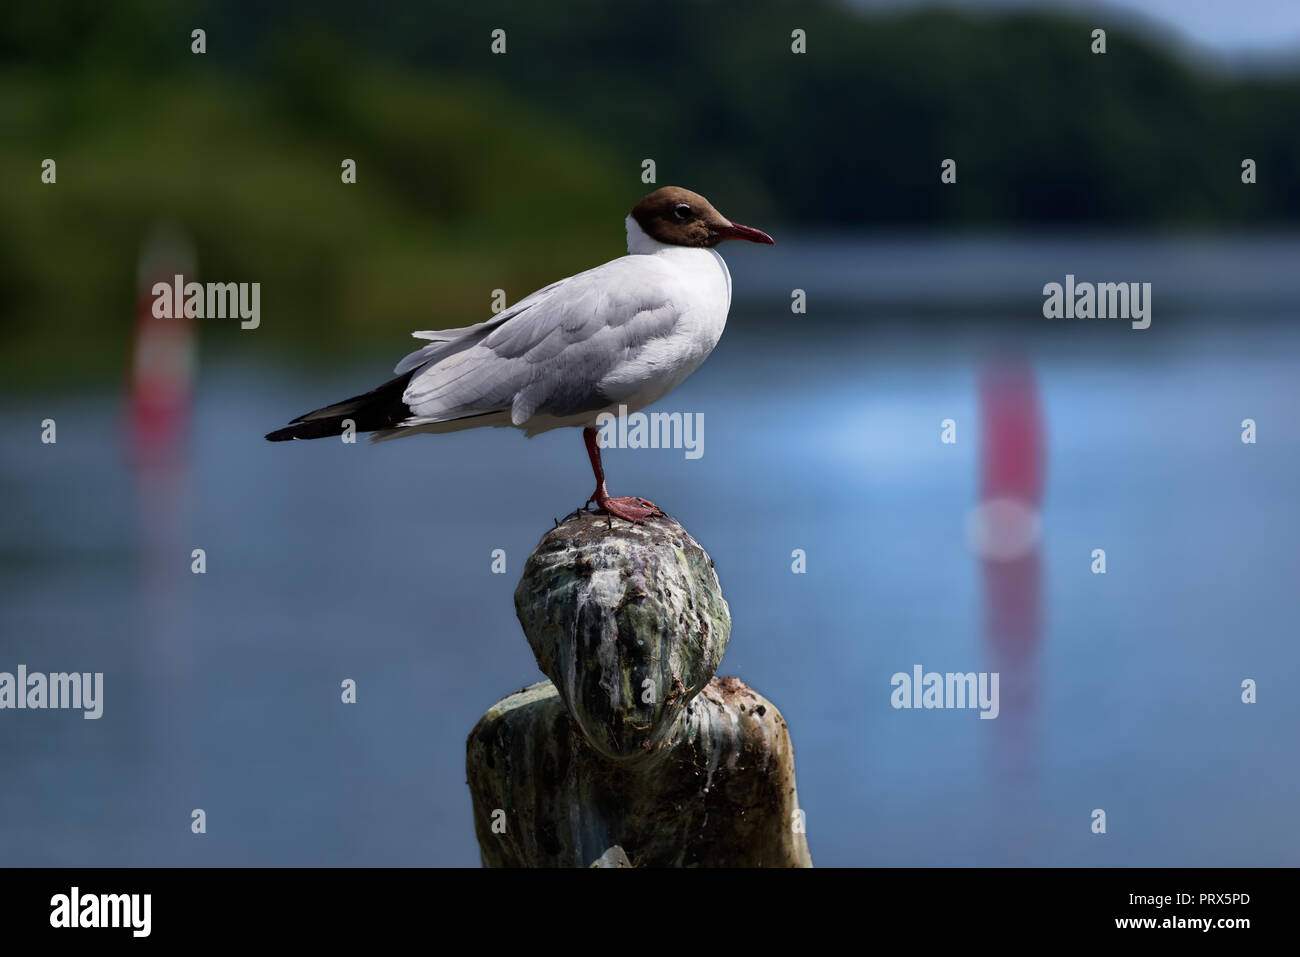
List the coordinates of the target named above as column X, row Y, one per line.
column 633, row 753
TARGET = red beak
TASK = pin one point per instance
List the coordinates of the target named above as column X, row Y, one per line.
column 737, row 231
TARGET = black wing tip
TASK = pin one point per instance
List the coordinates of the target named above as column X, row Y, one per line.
column 380, row 408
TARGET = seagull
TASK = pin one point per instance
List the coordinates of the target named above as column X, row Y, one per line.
column 623, row 334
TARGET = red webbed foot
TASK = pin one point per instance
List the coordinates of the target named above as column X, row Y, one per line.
column 629, row 507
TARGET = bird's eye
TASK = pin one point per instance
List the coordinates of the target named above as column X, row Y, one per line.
column 681, row 211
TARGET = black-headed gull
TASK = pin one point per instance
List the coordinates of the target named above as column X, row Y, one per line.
column 623, row 334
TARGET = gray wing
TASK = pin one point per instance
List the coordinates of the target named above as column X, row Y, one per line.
column 549, row 352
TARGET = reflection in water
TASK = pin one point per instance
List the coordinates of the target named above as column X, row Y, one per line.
column 1011, row 494
column 156, row 443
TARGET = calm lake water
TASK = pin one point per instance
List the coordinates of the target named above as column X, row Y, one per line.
column 325, row 561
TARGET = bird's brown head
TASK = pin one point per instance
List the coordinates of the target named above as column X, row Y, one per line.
column 679, row 217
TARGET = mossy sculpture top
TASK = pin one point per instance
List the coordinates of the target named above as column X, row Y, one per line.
column 633, row 751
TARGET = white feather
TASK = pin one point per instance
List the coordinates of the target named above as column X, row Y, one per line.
column 627, row 332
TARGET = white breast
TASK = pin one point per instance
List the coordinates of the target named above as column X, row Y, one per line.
column 700, row 288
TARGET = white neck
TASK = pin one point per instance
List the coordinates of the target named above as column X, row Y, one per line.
column 703, row 264
column 639, row 242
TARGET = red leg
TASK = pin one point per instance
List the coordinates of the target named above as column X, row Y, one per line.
column 628, row 508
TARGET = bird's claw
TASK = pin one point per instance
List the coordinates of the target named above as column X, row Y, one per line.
column 630, row 509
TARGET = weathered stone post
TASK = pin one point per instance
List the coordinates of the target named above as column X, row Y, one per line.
column 633, row 753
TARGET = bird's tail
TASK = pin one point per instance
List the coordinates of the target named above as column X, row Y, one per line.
column 380, row 408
